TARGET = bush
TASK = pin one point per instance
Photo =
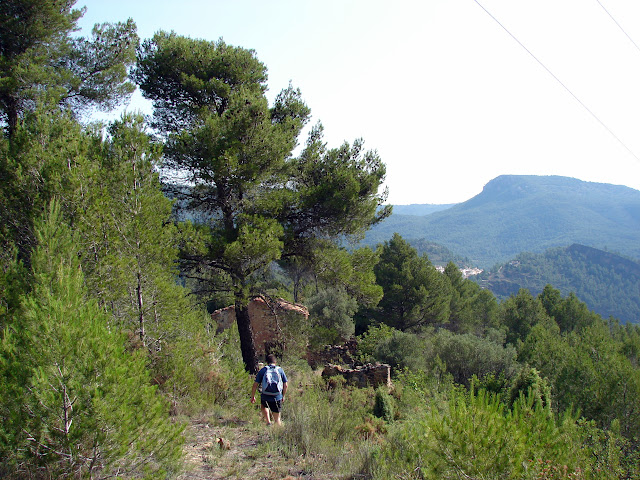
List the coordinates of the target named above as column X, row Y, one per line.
column 404, row 350
column 331, row 313
column 530, row 383
column 383, row 406
column 467, row 355
column 368, row 342
column 474, row 435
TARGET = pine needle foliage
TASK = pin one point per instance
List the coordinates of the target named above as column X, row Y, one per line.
column 383, row 406
column 86, row 409
column 475, row 435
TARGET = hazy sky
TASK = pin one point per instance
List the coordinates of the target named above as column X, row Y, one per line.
column 447, row 97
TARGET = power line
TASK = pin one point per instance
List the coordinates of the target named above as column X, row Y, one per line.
column 559, row 81
column 619, row 26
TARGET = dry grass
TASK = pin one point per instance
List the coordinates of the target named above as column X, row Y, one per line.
column 232, row 449
column 326, row 434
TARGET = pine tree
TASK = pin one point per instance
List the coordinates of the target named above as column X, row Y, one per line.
column 130, row 253
column 42, row 63
column 45, row 158
column 462, row 316
column 519, row 313
column 129, row 239
column 86, row 407
column 260, row 204
column 415, row 294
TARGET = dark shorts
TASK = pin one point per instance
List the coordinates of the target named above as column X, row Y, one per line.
column 274, row 405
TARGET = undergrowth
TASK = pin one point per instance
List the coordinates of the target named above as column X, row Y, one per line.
column 329, row 431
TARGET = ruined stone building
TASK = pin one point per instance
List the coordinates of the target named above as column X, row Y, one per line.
column 276, row 324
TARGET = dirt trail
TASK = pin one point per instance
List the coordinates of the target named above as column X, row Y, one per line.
column 244, row 452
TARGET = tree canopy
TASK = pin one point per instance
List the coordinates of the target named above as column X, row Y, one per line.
column 415, row 294
column 259, row 202
column 40, row 62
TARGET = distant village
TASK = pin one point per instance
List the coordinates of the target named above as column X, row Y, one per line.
column 466, row 272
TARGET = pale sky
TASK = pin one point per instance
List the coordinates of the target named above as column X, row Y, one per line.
column 444, row 94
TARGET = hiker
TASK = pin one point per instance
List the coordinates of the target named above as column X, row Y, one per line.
column 274, row 388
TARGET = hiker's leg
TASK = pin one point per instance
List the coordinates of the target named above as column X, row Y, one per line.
column 276, row 407
column 265, row 414
column 276, row 418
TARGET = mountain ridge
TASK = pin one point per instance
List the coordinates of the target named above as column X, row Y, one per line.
column 605, row 281
column 520, row 213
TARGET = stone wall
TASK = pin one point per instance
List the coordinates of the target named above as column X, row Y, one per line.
column 272, row 322
column 336, row 354
column 363, row 376
column 276, row 323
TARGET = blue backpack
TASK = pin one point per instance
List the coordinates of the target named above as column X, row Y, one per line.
column 272, row 381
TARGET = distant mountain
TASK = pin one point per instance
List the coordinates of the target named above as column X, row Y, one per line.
column 607, row 283
column 420, row 209
column 514, row 214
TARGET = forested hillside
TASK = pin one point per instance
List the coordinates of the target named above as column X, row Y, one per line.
column 438, row 254
column 516, row 214
column 606, row 282
column 110, row 366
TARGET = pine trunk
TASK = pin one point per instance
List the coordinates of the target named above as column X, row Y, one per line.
column 247, row 345
column 140, row 307
column 12, row 116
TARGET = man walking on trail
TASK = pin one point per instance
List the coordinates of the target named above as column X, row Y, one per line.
column 274, row 388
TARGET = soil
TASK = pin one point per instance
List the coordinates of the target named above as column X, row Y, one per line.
column 234, row 449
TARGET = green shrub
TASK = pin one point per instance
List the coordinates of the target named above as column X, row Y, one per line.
column 529, row 383
column 467, row 355
column 404, row 350
column 331, row 313
column 383, row 406
column 85, row 406
column 368, row 342
column 474, row 435
column 497, row 384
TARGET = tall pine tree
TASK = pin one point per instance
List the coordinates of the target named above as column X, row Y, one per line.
column 40, row 62
column 221, row 134
column 130, row 246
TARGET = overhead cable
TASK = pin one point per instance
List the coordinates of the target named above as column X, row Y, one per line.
column 619, row 26
column 559, row 81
